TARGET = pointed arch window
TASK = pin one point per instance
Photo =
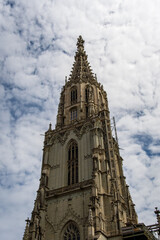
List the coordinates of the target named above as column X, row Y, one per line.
column 73, row 163
column 73, row 95
column 89, row 93
column 73, row 114
column 71, row 232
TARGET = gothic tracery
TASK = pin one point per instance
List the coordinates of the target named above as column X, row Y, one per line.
column 71, row 232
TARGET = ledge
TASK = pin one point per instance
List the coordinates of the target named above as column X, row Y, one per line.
column 68, row 189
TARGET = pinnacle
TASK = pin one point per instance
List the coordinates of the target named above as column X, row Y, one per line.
column 80, row 43
column 81, row 70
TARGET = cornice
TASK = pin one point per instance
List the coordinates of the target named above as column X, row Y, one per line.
column 70, row 189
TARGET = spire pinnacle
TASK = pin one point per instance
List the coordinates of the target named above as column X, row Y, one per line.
column 81, row 70
column 80, row 43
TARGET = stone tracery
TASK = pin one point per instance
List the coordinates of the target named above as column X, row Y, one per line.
column 71, row 232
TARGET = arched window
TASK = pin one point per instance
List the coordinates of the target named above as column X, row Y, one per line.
column 71, row 232
column 89, row 94
column 73, row 96
column 73, row 114
column 73, row 163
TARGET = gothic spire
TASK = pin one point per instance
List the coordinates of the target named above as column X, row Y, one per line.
column 81, row 70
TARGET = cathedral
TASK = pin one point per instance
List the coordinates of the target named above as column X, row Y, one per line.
column 83, row 193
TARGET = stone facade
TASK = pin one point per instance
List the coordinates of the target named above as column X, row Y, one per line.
column 82, row 193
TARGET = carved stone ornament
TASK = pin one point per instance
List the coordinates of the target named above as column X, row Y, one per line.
column 56, row 138
column 84, row 129
column 98, row 124
column 51, row 224
column 69, row 215
column 81, row 70
column 55, row 166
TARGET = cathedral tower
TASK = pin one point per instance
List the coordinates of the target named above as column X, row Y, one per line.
column 82, row 193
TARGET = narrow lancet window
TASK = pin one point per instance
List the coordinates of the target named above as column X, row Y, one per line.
column 73, row 114
column 73, row 163
column 73, row 96
column 87, row 94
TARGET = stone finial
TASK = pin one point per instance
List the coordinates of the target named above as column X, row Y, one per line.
column 91, row 231
column 50, row 127
column 157, row 212
column 80, row 43
column 90, row 217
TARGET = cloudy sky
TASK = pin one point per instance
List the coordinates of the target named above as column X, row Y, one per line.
column 37, row 46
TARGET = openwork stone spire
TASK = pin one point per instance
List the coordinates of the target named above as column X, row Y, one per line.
column 81, row 70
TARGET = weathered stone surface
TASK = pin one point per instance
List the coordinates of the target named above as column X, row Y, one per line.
column 82, row 188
